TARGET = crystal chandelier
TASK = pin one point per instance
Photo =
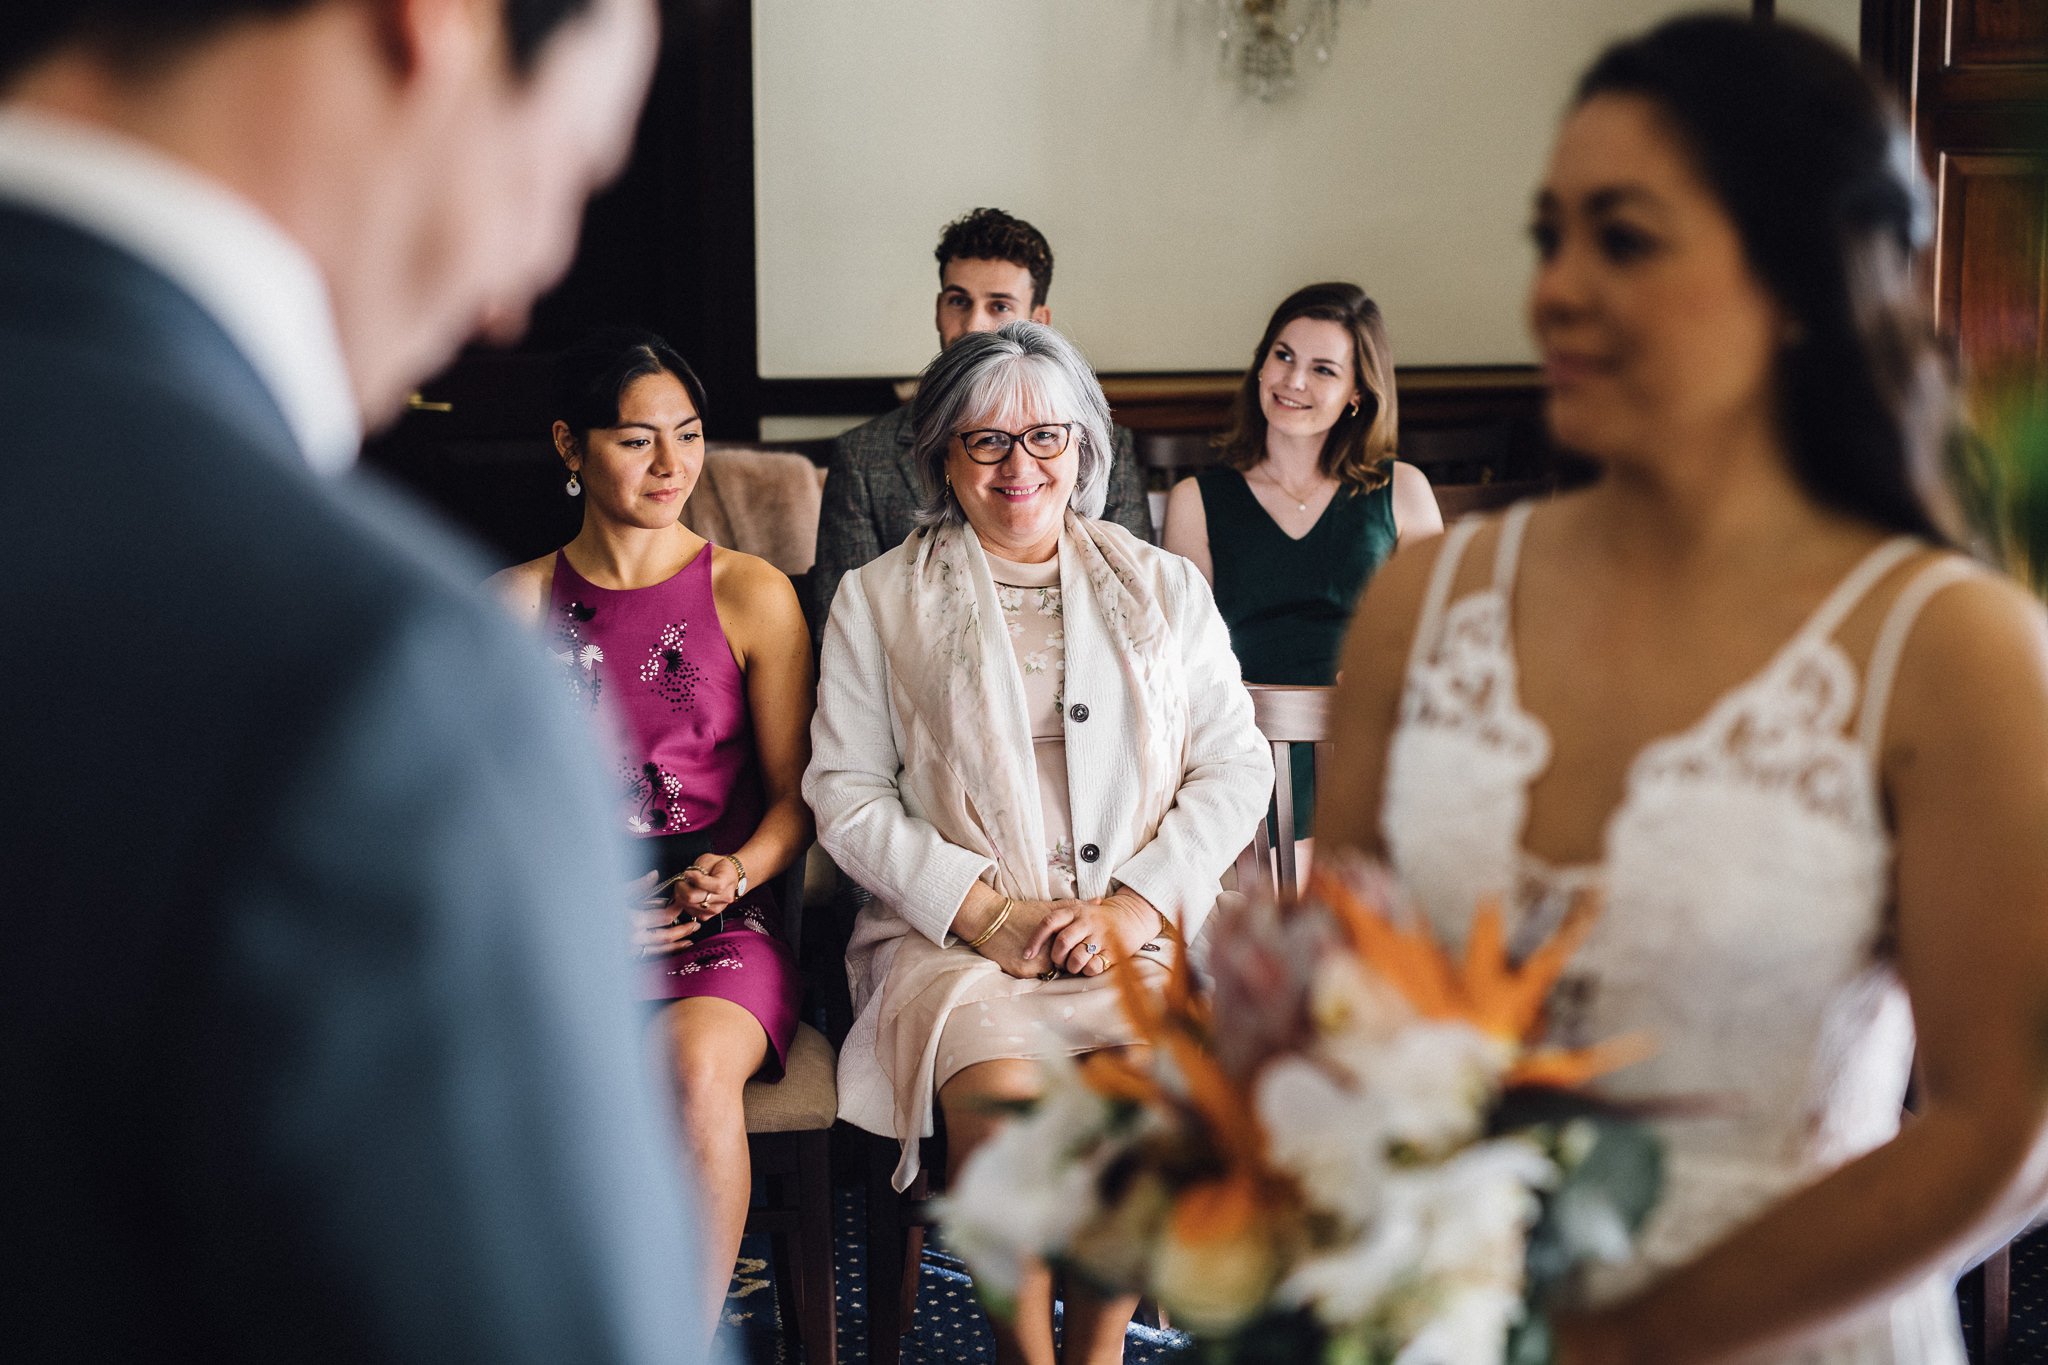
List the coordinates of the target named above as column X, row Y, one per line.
column 1258, row 40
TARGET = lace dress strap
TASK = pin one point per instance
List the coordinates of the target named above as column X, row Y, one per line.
column 1891, row 643
column 1435, row 601
column 1855, row 587
column 1507, row 553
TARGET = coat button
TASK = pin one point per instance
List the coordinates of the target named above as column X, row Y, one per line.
column 1089, row 853
column 1078, row 712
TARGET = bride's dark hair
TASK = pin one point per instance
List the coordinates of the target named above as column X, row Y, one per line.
column 1824, row 186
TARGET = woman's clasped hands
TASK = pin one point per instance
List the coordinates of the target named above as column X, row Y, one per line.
column 1043, row 938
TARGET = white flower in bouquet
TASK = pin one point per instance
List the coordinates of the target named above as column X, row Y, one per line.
column 1117, row 1245
column 1474, row 1209
column 1431, row 1082
column 1468, row 1328
column 1347, row 999
column 1327, row 1134
column 1219, row 1259
column 1353, row 1283
column 1442, row 1259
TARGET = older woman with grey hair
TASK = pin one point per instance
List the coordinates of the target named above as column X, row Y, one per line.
column 1033, row 748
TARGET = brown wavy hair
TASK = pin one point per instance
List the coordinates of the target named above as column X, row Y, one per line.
column 1360, row 449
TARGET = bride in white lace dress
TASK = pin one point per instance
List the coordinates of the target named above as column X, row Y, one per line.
column 1739, row 687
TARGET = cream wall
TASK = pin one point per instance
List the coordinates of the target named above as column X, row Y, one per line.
column 1179, row 210
column 1841, row 20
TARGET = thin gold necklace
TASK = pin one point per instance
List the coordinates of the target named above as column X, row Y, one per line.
column 1300, row 502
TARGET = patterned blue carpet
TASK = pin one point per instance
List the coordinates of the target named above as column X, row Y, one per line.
column 948, row 1327
column 2027, row 1343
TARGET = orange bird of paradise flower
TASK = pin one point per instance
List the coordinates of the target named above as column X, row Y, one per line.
column 1176, row 1022
column 1486, row 990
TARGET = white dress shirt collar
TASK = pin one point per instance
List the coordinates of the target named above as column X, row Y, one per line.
column 253, row 279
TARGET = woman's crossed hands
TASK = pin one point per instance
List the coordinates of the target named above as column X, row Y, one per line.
column 1080, row 937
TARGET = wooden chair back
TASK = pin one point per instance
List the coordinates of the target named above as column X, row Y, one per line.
column 1457, row 500
column 1288, row 717
column 1169, row 456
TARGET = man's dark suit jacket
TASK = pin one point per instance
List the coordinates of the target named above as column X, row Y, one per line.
column 872, row 492
column 317, row 1040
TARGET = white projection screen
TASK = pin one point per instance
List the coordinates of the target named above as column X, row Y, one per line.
column 1179, row 210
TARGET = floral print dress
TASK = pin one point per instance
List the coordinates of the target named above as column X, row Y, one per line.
column 1029, row 595
column 1071, row 1014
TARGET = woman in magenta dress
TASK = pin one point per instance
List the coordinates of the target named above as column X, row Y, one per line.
column 700, row 656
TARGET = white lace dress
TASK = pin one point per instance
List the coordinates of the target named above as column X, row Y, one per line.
column 1746, row 883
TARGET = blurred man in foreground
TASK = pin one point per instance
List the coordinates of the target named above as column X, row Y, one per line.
column 316, row 1036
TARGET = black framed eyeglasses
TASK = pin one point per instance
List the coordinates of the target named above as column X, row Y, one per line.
column 1044, row 442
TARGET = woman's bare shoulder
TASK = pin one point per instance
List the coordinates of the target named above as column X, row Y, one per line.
column 747, row 581
column 756, row 601
column 1978, row 643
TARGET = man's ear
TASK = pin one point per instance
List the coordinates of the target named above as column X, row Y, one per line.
column 423, row 35
column 1042, row 314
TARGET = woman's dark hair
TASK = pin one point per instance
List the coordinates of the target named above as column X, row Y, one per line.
column 1822, row 182
column 1359, row 450
column 592, row 375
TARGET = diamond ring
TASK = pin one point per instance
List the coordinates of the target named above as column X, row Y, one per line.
column 1091, row 948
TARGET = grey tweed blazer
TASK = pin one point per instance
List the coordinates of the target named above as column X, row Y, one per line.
column 872, row 493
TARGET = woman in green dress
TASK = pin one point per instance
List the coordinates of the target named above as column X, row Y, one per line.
column 1308, row 499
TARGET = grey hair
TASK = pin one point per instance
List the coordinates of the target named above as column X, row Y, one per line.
column 993, row 378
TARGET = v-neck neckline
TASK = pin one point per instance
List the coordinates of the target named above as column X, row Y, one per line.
column 1816, row 632
column 1265, row 512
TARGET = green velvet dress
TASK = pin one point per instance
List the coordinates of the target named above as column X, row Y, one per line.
column 1288, row 602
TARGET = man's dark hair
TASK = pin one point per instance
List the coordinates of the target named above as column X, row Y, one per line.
column 141, row 32
column 992, row 235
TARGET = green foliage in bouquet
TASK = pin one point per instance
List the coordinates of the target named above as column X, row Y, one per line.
column 1611, row 1172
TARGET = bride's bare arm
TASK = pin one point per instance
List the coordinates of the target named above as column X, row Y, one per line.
column 1368, row 694
column 1965, row 767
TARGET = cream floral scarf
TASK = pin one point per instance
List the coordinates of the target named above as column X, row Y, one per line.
column 960, row 698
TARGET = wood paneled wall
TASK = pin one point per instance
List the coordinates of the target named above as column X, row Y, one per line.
column 1974, row 76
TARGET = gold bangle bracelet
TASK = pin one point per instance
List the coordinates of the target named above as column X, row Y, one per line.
column 994, row 925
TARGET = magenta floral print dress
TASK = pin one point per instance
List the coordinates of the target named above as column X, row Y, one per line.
column 688, row 776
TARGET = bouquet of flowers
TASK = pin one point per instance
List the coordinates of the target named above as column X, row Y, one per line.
column 1355, row 1150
